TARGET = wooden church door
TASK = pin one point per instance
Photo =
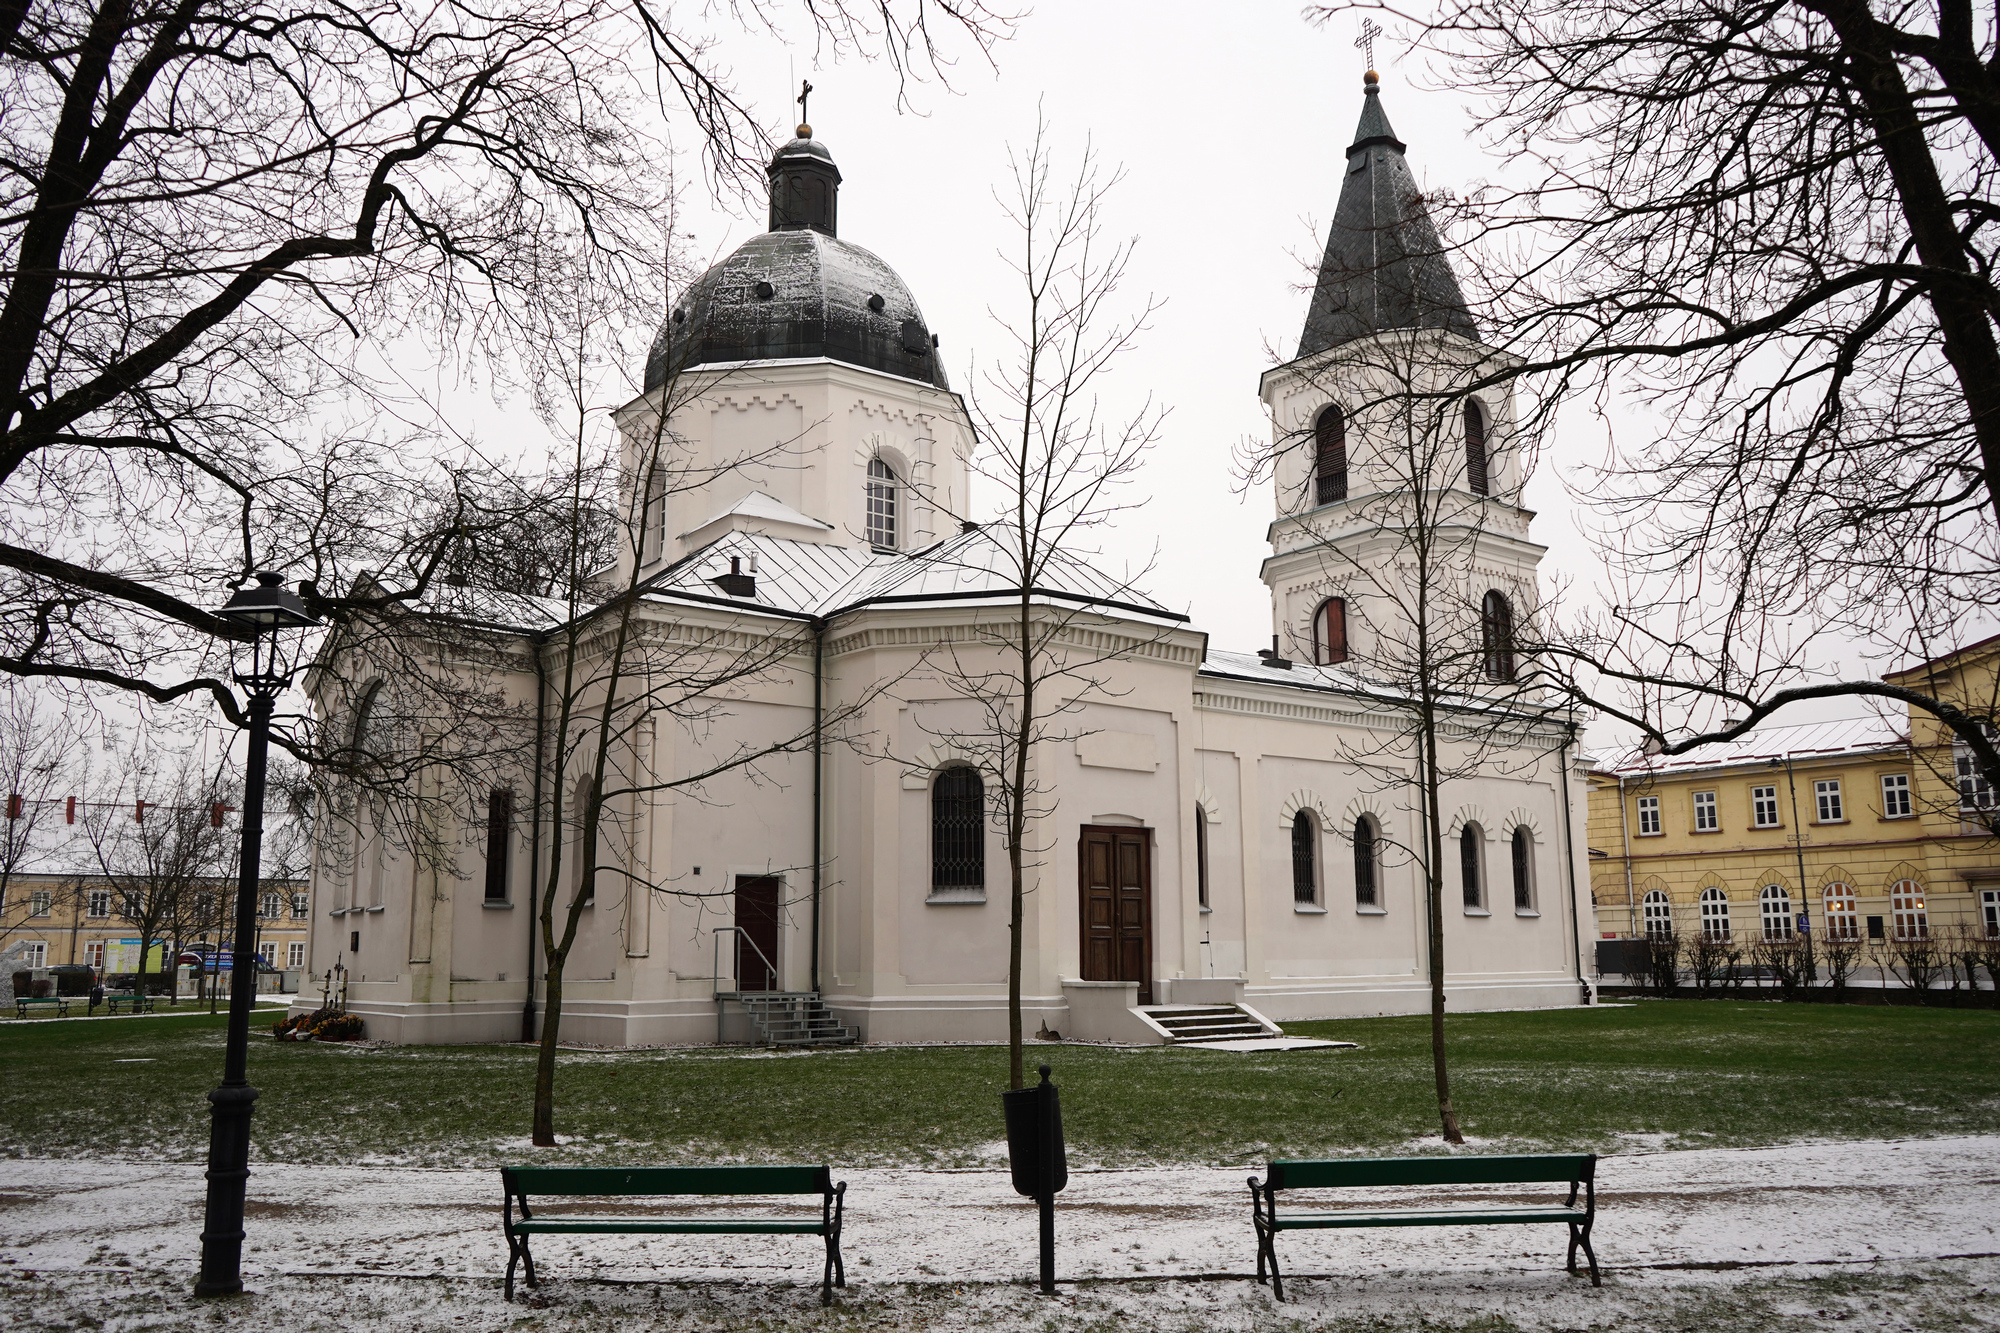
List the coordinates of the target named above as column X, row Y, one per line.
column 1115, row 884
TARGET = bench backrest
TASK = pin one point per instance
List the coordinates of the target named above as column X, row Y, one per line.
column 577, row 1180
column 1357, row 1173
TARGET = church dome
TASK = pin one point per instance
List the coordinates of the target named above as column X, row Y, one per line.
column 798, row 291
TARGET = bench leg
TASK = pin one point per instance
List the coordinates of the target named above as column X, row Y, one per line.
column 513, row 1258
column 1583, row 1235
column 1267, row 1253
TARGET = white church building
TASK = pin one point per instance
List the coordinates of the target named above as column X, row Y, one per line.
column 1216, row 828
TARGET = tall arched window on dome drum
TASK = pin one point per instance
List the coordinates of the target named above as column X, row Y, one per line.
column 1476, row 479
column 1366, row 862
column 1330, row 456
column 1496, row 635
column 1472, row 866
column 881, row 504
column 1524, row 870
column 958, row 832
column 1330, row 632
column 1305, row 858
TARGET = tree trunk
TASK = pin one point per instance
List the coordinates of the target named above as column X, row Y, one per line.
column 545, row 1058
column 1434, row 892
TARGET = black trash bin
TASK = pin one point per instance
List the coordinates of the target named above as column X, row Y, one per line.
column 1036, row 1155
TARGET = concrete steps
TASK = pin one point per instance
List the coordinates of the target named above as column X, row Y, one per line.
column 1193, row 1024
column 792, row 1019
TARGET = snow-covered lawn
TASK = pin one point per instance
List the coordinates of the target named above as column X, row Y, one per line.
column 1903, row 1234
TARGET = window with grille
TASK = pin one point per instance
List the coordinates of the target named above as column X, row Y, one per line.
column 1975, row 791
column 1366, row 862
column 1330, row 632
column 1496, row 636
column 1776, row 906
column 1906, row 907
column 1896, row 795
column 1330, row 457
column 1714, row 914
column 958, row 832
column 1826, row 793
column 295, row 954
column 1837, row 905
column 1524, row 870
column 100, row 904
column 1764, row 807
column 499, row 842
column 1658, row 914
column 1471, row 867
column 1649, row 816
column 1706, row 818
column 1476, row 479
column 881, row 504
column 1200, row 857
column 1305, row 858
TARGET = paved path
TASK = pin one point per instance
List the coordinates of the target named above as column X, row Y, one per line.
column 1848, row 1202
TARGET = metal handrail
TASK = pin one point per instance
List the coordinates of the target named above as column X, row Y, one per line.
column 715, row 979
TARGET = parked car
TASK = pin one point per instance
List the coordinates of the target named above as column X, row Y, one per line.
column 73, row 978
column 218, row 960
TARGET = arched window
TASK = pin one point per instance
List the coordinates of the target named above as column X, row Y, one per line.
column 881, row 504
column 1524, row 870
column 1496, row 635
column 1659, row 914
column 1841, row 921
column 1775, row 905
column 1471, row 865
column 1906, row 904
column 371, row 725
column 1330, row 456
column 1365, row 862
column 1305, row 858
column 1475, row 447
column 1330, row 632
column 1714, row 914
column 958, row 832
column 1201, row 857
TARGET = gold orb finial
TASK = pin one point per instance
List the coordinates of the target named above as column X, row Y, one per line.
column 804, row 131
column 1371, row 78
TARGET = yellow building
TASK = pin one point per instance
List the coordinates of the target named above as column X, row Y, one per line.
column 1869, row 828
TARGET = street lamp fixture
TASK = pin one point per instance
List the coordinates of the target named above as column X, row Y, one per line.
column 264, row 609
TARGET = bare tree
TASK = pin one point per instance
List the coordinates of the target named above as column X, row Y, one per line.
column 1032, row 667
column 1766, row 221
column 38, row 762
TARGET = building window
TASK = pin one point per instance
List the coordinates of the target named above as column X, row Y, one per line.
column 1524, row 870
column 1764, row 807
column 1776, row 906
column 1837, row 904
column 1706, row 819
column 35, row 953
column 93, row 954
column 881, row 504
column 40, row 902
column 1305, row 858
column 269, row 953
column 1896, row 796
column 1366, row 862
column 1475, row 447
column 958, row 832
column 1906, row 906
column 499, row 842
column 1330, row 457
column 128, row 905
column 1201, row 857
column 1649, row 816
column 1975, row 791
column 100, row 904
column 1989, row 911
column 1472, row 866
column 301, row 905
column 269, row 905
column 1658, row 914
column 295, row 954
column 1496, row 636
column 1330, row 632
column 1714, row 914
column 1826, row 793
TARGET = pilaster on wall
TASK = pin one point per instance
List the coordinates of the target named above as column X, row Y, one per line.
column 642, row 853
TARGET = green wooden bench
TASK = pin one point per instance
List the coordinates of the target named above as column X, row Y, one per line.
column 1578, row 1169
column 23, row 1006
column 571, row 1182
column 138, row 1004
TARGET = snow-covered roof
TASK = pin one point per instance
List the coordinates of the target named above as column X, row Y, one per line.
column 759, row 505
column 1855, row 735
column 1300, row 675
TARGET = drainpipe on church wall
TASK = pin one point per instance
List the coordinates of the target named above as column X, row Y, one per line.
column 1569, row 859
column 819, row 679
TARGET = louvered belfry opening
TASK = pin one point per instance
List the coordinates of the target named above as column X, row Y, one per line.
column 958, row 830
column 1496, row 633
column 1475, row 450
column 1330, row 456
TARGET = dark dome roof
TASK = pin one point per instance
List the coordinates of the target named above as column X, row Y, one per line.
column 798, row 291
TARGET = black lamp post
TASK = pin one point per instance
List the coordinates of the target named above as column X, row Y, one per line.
column 264, row 610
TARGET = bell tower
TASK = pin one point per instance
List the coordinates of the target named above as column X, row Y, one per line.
column 1369, row 439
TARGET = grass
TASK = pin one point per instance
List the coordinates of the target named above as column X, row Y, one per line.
column 1661, row 1073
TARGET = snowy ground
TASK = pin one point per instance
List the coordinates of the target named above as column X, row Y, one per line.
column 1897, row 1234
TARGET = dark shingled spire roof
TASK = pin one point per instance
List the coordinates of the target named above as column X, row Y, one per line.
column 1384, row 266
